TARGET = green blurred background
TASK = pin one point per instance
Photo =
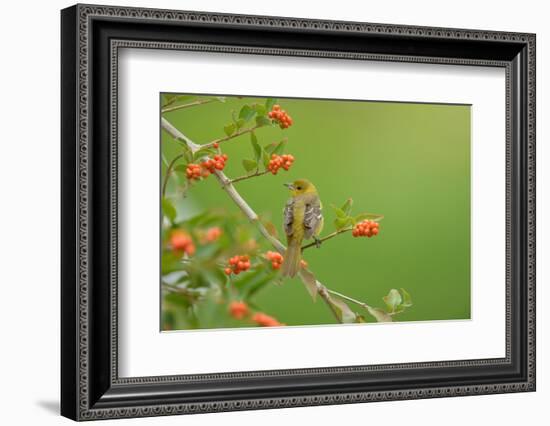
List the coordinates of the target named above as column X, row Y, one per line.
column 407, row 161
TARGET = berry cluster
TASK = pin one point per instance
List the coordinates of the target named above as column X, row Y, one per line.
column 196, row 171
column 275, row 258
column 181, row 241
column 238, row 310
column 216, row 163
column 265, row 320
column 193, row 171
column 367, row 228
column 278, row 161
column 280, row 116
column 238, row 264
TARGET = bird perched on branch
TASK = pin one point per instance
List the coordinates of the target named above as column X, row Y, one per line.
column 303, row 219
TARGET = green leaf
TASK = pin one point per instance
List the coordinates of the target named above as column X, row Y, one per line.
column 339, row 212
column 392, row 300
column 276, row 147
column 167, row 100
column 169, row 210
column 256, row 146
column 407, row 300
column 230, row 129
column 202, row 153
column 239, row 123
column 269, row 102
column 181, row 168
column 341, row 223
column 266, row 158
column 246, row 113
column 270, row 147
column 249, row 165
column 379, row 314
column 187, row 154
column 346, row 208
column 260, row 109
column 279, row 148
column 370, row 216
column 262, row 121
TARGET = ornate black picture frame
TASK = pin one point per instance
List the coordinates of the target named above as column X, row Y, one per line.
column 91, row 37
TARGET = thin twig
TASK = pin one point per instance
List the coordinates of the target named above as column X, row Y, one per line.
column 169, row 173
column 245, row 177
column 248, row 212
column 349, row 299
column 232, row 136
column 190, row 104
column 328, row 237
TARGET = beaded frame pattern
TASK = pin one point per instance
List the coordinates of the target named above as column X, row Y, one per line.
column 87, row 12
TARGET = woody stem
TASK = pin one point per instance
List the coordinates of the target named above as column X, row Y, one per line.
column 349, row 299
column 232, row 136
column 191, row 104
column 245, row 177
column 328, row 237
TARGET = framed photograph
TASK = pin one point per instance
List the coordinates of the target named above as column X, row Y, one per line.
column 263, row 212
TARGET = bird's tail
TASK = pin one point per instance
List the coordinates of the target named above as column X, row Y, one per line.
column 292, row 258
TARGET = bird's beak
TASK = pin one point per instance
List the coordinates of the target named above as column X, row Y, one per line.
column 289, row 186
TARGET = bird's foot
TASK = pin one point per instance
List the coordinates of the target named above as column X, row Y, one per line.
column 317, row 242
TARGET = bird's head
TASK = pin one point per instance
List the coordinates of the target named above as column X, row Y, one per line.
column 301, row 186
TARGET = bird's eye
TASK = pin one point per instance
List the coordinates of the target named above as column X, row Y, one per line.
column 299, row 188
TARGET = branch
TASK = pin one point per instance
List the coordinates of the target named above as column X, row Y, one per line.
column 249, row 213
column 182, row 106
column 234, row 135
column 177, row 135
column 169, row 173
column 245, row 177
column 349, row 299
column 328, row 237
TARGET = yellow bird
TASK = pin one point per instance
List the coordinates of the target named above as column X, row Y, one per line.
column 303, row 219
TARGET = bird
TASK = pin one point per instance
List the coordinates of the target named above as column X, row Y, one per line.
column 302, row 220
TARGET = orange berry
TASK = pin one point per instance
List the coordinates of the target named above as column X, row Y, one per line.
column 265, row 320
column 238, row 310
column 182, row 241
column 213, row 234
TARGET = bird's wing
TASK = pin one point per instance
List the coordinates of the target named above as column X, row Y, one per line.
column 313, row 216
column 288, row 216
